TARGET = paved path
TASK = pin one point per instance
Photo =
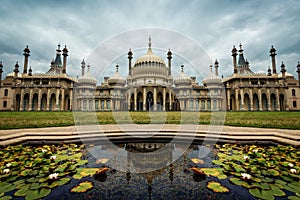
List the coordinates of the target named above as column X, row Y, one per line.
column 119, row 133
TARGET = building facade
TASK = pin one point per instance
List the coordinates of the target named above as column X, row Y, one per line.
column 149, row 86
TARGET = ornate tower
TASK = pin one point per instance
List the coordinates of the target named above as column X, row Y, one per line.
column 26, row 55
column 273, row 54
column 65, row 54
column 298, row 71
column 169, row 62
column 234, row 54
column 16, row 70
column 129, row 61
column 216, row 67
column 1, row 70
column 283, row 70
column 82, row 67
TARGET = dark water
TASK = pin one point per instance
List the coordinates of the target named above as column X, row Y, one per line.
column 148, row 171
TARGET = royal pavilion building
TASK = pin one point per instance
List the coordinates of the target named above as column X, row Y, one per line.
column 149, row 86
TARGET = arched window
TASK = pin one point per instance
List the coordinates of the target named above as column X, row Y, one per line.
column 102, row 105
column 4, row 104
column 6, row 92
column 208, row 105
column 84, row 104
column 295, row 104
column 293, row 92
column 108, row 104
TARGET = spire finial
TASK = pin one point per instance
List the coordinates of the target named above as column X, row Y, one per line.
column 241, row 46
column 88, row 67
column 149, row 44
column 182, row 66
column 117, row 68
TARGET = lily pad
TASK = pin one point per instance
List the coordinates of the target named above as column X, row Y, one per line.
column 262, row 194
column 217, row 187
column 197, row 161
column 82, row 187
column 7, row 188
column 37, row 194
column 5, row 198
column 22, row 191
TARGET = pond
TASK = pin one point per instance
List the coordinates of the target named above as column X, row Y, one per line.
column 149, row 171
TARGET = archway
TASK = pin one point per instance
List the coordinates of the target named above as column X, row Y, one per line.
column 17, row 106
column 255, row 102
column 232, row 103
column 273, row 102
column 167, row 102
column 26, row 102
column 34, row 106
column 43, row 102
column 67, row 102
column 159, row 101
column 281, row 102
column 264, row 102
column 52, row 103
column 247, row 102
column 149, row 101
column 139, row 101
column 132, row 103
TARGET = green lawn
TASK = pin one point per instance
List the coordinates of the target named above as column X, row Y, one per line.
column 286, row 120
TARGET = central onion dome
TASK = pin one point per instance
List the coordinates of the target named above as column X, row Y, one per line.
column 149, row 57
column 150, row 68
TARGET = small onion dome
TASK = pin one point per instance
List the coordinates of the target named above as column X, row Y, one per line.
column 116, row 79
column 87, row 79
column 212, row 78
column 287, row 75
column 182, row 79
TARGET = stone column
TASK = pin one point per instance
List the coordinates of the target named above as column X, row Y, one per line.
column 144, row 98
column 48, row 100
column 170, row 100
column 251, row 99
column 62, row 103
column 30, row 100
column 237, row 100
column 164, row 99
column 228, row 99
column 39, row 100
column 22, row 99
column 154, row 99
column 259, row 100
column 135, row 98
column 242, row 99
column 71, row 99
column 269, row 99
column 128, row 99
column 277, row 100
column 57, row 100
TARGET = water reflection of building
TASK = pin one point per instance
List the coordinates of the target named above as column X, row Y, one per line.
column 150, row 85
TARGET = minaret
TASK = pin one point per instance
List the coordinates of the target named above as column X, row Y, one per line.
column 283, row 70
column 216, row 67
column 16, row 70
column 298, row 71
column 273, row 54
column 169, row 62
column 82, row 67
column 65, row 54
column 149, row 46
column 241, row 61
column 30, row 71
column 269, row 71
column 234, row 54
column 1, row 71
column 26, row 55
column 129, row 61
column 57, row 62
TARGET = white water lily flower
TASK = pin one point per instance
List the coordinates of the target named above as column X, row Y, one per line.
column 291, row 165
column 246, row 157
column 293, row 171
column 53, row 157
column 53, row 176
column 255, row 150
column 246, row 176
column 8, row 165
column 44, row 150
column 6, row 171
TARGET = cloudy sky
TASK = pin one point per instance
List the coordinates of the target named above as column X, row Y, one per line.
column 214, row 25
